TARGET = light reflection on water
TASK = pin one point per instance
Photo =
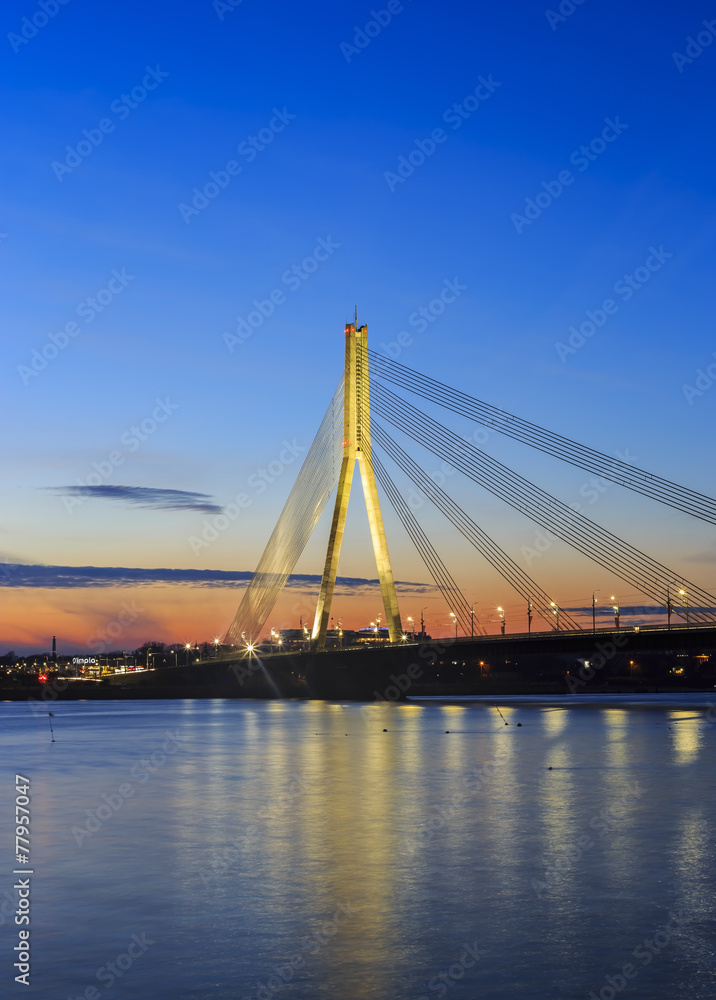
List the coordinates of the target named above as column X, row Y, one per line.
column 296, row 849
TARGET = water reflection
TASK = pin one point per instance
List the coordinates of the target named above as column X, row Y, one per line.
column 301, row 841
column 686, row 732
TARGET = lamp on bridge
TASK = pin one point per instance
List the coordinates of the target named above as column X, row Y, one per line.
column 502, row 620
column 615, row 609
column 682, row 593
column 412, row 628
column 454, row 618
column 555, row 612
column 529, row 617
column 187, row 647
column 594, row 610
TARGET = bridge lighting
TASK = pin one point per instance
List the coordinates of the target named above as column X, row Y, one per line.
column 250, row 647
column 502, row 620
column 682, row 593
column 615, row 609
column 594, row 610
column 412, row 627
column 555, row 612
column 454, row 618
column 187, row 647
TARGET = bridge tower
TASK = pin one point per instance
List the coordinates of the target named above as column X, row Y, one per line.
column 356, row 448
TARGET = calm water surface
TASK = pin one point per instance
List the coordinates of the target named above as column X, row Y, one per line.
column 297, row 850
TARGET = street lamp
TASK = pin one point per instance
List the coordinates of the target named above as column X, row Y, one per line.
column 529, row 617
column 555, row 612
column 669, row 607
column 412, row 627
column 454, row 618
column 502, row 623
column 187, row 647
column 682, row 593
column 472, row 622
column 594, row 610
column 615, row 609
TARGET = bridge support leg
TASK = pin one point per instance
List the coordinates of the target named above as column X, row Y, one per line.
column 356, row 447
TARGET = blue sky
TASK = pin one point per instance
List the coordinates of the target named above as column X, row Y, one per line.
column 339, row 118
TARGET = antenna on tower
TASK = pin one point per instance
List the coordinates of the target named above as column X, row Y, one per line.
column 355, row 316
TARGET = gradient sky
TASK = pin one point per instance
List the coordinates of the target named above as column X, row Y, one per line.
column 343, row 116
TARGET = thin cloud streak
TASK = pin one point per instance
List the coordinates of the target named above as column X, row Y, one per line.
column 143, row 496
column 75, row 577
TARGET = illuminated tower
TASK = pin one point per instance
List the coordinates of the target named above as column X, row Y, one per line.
column 356, row 448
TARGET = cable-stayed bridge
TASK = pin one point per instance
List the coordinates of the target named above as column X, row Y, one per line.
column 354, row 433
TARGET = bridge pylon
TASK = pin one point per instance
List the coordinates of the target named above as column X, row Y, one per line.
column 356, row 449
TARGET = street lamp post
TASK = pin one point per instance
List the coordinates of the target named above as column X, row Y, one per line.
column 682, row 593
column 669, row 607
column 472, row 622
column 502, row 622
column 187, row 647
column 555, row 612
column 529, row 617
column 594, row 610
column 615, row 609
column 412, row 628
column 454, row 618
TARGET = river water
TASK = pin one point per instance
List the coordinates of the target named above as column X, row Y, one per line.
column 229, row 849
